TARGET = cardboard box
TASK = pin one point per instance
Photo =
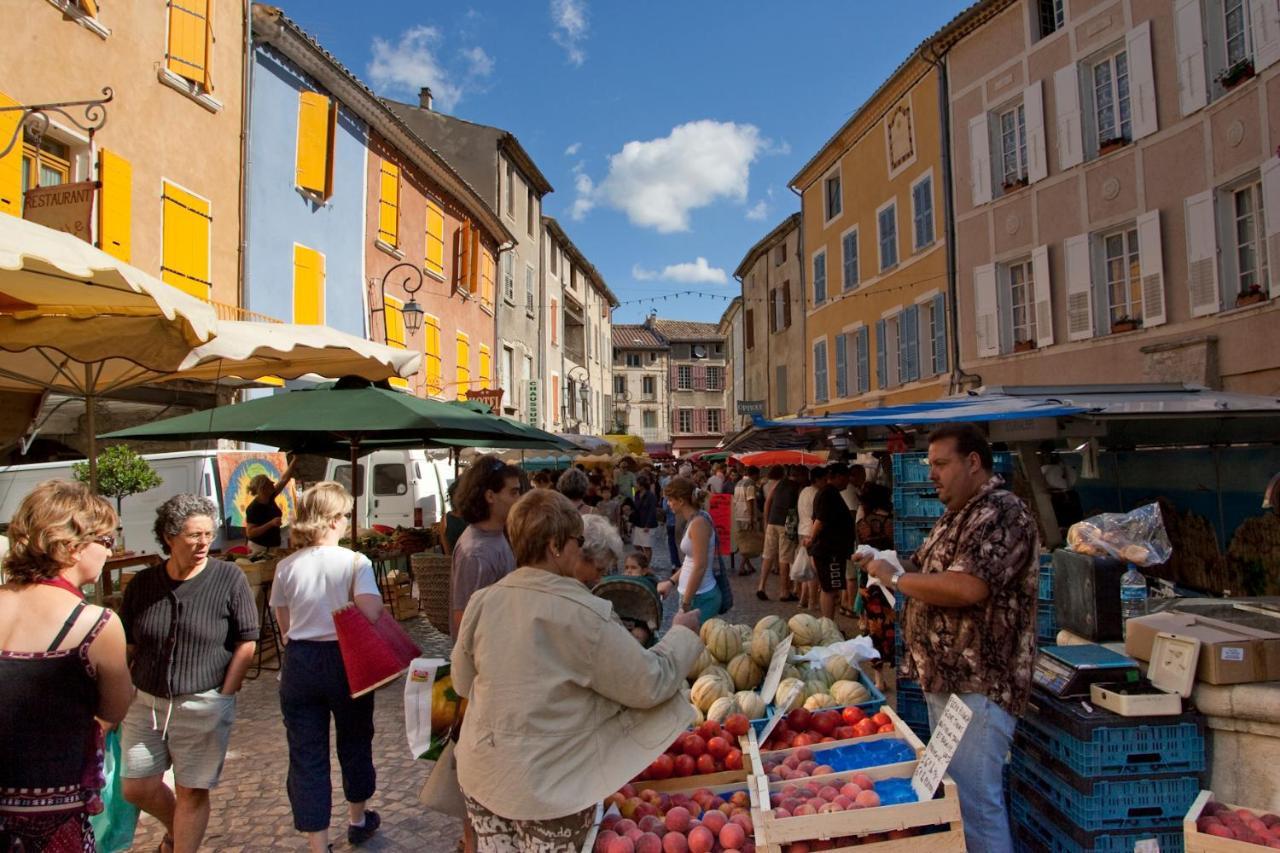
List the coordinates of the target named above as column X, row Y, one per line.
column 1229, row 653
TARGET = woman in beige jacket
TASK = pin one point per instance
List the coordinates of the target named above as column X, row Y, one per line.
column 564, row 706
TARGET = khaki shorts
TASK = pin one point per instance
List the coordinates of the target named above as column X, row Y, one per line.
column 777, row 546
column 190, row 734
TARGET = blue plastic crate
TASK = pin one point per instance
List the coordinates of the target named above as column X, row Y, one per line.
column 910, row 468
column 1035, row 830
column 911, row 706
column 1109, row 804
column 910, row 535
column 869, row 707
column 1046, row 583
column 1046, row 622
column 910, row 503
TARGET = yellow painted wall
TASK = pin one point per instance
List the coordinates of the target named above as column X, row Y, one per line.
column 162, row 133
column 860, row 153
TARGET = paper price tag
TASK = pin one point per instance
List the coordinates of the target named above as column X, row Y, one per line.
column 941, row 749
column 770, row 684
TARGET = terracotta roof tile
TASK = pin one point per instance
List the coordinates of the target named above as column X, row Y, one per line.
column 636, row 336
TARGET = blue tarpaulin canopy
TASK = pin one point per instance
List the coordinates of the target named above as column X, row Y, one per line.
column 986, row 407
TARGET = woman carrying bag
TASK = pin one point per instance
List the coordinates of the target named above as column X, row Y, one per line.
column 309, row 585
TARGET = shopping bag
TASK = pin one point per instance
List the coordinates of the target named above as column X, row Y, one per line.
column 113, row 828
column 802, row 566
column 441, row 792
column 373, row 653
column 750, row 542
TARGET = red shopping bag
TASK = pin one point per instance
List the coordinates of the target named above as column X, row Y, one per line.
column 373, row 653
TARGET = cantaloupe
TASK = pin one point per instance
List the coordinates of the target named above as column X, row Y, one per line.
column 700, row 665
column 839, row 669
column 849, row 692
column 818, row 701
column 745, row 672
column 721, row 640
column 806, row 629
column 773, row 625
column 750, row 703
column 707, row 689
column 790, row 694
column 763, row 645
column 829, row 632
column 816, row 687
column 744, row 635
column 709, row 626
column 720, row 673
column 722, row 708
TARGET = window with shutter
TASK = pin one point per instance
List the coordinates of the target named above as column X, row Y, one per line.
column 1271, row 229
column 887, row 225
column 190, row 41
column 435, row 240
column 979, row 160
column 1188, row 26
column 842, row 366
column 820, row 277
column 849, row 250
column 1151, row 263
column 938, row 333
column 1066, row 91
column 1036, row 158
column 186, row 223
column 882, row 353
column 389, row 204
column 909, row 343
column 834, row 199
column 1142, row 80
column 985, row 311
column 486, row 279
column 553, row 320
column 922, row 211
column 115, row 204
column 820, row 391
column 394, row 312
column 314, row 144
column 864, row 361
column 774, row 319
column 463, row 370
column 1080, row 319
column 486, row 367
column 786, row 305
column 750, row 328
column 11, row 163
column 508, row 276
column 308, row 286
column 1264, row 23
column 432, row 351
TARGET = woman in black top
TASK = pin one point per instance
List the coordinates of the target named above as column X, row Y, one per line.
column 192, row 627
column 62, row 663
column 263, row 517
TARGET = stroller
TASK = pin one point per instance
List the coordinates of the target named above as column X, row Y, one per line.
column 636, row 603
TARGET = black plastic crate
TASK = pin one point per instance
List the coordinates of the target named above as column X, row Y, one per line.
column 1036, row 829
column 1087, row 595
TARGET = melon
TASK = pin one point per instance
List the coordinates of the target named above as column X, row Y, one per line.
column 807, row 630
column 829, row 632
column 762, row 647
column 722, row 708
column 722, row 640
column 773, row 625
column 818, row 701
column 750, row 703
column 707, row 689
column 850, row 692
column 790, row 694
column 816, row 687
column 720, row 673
column 698, row 717
column 745, row 672
column 839, row 669
column 816, row 672
column 792, row 671
column 744, row 634
column 709, row 626
column 700, row 665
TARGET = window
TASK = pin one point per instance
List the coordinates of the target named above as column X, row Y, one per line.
column 715, row 420
column 933, row 332
column 511, row 190
column 715, row 378
column 1111, row 99
column 820, row 277
column 486, row 367
column 530, row 208
column 650, row 386
column 650, row 419
column 781, row 403
column 1013, row 145
column 684, row 420
column 909, row 344
column 684, row 377
column 1235, row 30
column 786, row 307
column 554, row 321
column 922, row 211
column 190, row 41
column 435, row 240
column 393, row 310
column 887, row 352
column 486, row 280
column 1022, row 302
column 462, row 351
column 554, row 253
column 633, row 359
column 887, row 224
column 55, row 163
column 431, row 348
column 619, row 386
column 308, row 286
column 1051, row 17
column 389, row 204
column 842, row 366
column 186, row 225
column 508, row 276
column 506, row 370
column 849, row 249
column 390, row 478
column 780, row 254
column 775, row 310
column 820, row 371
column 750, row 328
column 317, row 125
column 1249, row 230
column 1122, row 275
column 528, row 290
column 862, row 361
column 834, row 202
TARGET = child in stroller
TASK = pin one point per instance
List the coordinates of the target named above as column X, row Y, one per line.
column 635, row 599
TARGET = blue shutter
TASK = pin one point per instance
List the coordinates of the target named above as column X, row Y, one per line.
column 842, row 366
column 820, row 372
column 881, row 354
column 909, row 335
column 940, row 333
column 850, row 248
column 864, row 362
column 819, row 279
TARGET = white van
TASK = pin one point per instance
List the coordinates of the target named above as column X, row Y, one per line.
column 399, row 488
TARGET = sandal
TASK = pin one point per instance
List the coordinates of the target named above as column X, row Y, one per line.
column 762, row 595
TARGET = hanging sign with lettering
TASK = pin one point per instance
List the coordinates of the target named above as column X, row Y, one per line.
column 942, row 748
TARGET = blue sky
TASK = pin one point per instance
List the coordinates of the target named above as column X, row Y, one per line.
column 669, row 130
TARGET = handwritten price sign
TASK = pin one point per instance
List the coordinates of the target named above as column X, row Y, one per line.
column 770, row 684
column 942, row 748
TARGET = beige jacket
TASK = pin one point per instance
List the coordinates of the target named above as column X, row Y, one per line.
column 564, row 706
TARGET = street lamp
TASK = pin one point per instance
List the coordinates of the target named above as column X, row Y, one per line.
column 584, row 392
column 412, row 311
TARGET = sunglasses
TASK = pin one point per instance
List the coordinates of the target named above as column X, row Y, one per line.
column 108, row 542
column 581, row 540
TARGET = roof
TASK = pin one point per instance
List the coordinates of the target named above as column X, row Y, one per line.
column 459, row 139
column 271, row 25
column 594, row 274
column 686, row 330
column 636, row 336
column 767, row 242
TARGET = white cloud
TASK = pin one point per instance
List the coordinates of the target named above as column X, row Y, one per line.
column 414, row 61
column 569, row 18
column 698, row 272
column 639, row 273
column 658, row 182
column 585, row 188
column 573, row 149
column 758, row 211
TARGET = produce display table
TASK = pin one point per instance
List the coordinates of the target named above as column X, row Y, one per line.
column 124, row 561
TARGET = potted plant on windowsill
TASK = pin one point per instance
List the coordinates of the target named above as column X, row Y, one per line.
column 1236, row 74
column 1015, row 184
column 1250, row 296
column 1115, row 143
column 1125, row 324
column 1024, row 346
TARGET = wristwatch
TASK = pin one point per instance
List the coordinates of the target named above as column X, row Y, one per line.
column 894, row 581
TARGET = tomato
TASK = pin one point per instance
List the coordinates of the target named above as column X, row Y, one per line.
column 706, row 764
column 718, row 747
column 733, row 761
column 709, row 729
column 852, row 715
column 737, row 725
column 694, row 745
column 887, row 727
column 662, row 767
column 684, row 765
column 881, row 718
column 866, row 727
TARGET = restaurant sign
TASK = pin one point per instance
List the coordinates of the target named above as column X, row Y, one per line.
column 64, row 207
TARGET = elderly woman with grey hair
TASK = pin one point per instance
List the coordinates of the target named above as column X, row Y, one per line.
column 191, row 625
column 601, row 550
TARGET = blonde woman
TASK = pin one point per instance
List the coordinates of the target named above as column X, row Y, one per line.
column 309, row 585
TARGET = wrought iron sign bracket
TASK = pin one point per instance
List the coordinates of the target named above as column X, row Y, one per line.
column 35, row 117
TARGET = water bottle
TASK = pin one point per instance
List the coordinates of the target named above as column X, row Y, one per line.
column 1133, row 596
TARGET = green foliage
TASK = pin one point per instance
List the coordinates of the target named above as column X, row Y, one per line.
column 121, row 473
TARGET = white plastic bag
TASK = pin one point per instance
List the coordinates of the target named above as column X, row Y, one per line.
column 802, row 566
column 855, row 651
column 417, row 703
column 890, row 557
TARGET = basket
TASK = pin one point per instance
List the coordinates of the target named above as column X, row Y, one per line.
column 432, row 573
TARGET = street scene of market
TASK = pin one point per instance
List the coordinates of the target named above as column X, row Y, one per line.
column 573, row 427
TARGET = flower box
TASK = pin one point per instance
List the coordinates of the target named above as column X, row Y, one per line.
column 1109, row 145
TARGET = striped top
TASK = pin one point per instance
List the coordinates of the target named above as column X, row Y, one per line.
column 183, row 633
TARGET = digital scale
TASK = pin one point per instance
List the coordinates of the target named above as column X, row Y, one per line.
column 1172, row 674
column 1070, row 671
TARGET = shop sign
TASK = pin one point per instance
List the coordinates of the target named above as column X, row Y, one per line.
column 532, row 398
column 65, row 207
column 751, row 407
column 942, row 748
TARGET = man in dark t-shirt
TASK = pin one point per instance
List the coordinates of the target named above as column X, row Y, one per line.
column 831, row 537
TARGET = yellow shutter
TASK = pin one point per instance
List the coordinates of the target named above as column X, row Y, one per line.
column 486, row 278
column 190, row 39
column 308, row 286
column 208, row 45
column 473, row 272
column 431, row 346
column 389, row 204
column 393, row 310
column 115, row 204
column 462, row 257
column 435, row 239
column 11, row 163
column 313, row 141
column 464, row 365
column 184, row 259
column 331, row 150
column 90, row 7
column 486, row 365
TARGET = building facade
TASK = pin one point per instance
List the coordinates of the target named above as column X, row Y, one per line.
column 731, row 329
column 640, row 393
column 697, row 379
column 168, row 157
column 773, row 341
column 1117, row 192
column 875, row 251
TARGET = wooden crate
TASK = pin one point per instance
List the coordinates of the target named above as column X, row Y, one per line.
column 709, row 780
column 1196, row 841
column 901, row 731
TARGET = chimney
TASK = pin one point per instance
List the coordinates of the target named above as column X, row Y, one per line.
column 424, row 97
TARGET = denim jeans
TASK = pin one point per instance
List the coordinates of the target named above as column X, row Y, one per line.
column 977, row 769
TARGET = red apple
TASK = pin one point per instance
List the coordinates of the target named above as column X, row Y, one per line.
column 825, row 722
column 718, row 747
column 662, row 767
column 737, row 725
column 733, row 761
column 684, row 765
column 706, row 764
column 852, row 715
column 798, row 719
column 865, row 727
column 709, row 729
column 694, row 745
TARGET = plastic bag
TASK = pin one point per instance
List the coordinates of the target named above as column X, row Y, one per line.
column 114, row 826
column 432, row 709
column 802, row 566
column 1136, row 537
column 855, row 651
column 890, row 557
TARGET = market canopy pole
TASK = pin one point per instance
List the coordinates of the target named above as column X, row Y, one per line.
column 1050, row 532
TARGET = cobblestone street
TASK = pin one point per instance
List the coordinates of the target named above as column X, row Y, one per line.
column 250, row 809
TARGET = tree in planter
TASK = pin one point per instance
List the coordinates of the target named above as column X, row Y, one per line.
column 121, row 473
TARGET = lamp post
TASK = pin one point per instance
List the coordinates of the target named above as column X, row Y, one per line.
column 584, row 392
column 412, row 311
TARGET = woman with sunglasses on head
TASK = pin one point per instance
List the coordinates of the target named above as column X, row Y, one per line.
column 192, row 628
column 62, row 663
column 563, row 705
column 482, row 556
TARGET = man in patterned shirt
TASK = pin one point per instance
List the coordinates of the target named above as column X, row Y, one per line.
column 970, row 619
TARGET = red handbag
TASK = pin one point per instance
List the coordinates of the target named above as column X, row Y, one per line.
column 373, row 653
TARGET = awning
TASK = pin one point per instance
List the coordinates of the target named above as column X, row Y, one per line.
column 976, row 408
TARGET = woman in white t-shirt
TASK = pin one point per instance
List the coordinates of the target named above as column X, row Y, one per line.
column 695, row 579
column 309, row 585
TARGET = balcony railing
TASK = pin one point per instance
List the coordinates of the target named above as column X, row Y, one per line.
column 235, row 312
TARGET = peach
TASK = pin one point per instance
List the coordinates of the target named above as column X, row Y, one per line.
column 804, row 809
column 715, row 821
column 628, row 806
column 867, row 800
column 650, row 823
column 780, row 813
column 788, row 791
column 621, row 845
column 792, row 760
column 799, row 847
column 807, row 767
column 740, row 799
column 732, row 835
column 674, row 842
column 678, row 819
column 701, row 840
column 744, row 820
column 624, row 826
column 851, row 789
column 828, row 792
column 804, row 754
column 823, row 770
column 817, row 802
column 828, row 808
column 863, row 781
column 844, row 802
column 603, row 840
column 648, row 843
